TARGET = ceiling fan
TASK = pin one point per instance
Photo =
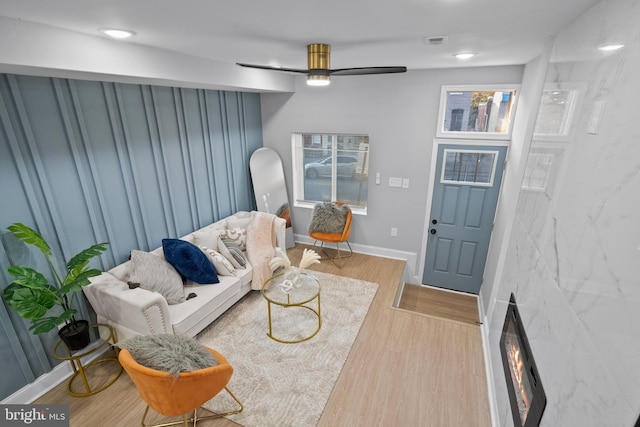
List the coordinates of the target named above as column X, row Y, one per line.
column 318, row 71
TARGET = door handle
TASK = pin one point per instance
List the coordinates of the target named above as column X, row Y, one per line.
column 434, row 221
column 432, row 231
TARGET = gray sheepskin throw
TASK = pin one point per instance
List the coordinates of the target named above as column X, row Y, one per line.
column 170, row 353
column 328, row 218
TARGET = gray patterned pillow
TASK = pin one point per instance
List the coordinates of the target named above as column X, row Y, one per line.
column 236, row 235
column 152, row 273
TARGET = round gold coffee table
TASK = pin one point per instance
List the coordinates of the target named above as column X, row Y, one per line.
column 292, row 290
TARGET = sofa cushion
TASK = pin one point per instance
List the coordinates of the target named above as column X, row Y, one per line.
column 220, row 263
column 189, row 261
column 152, row 273
column 196, row 313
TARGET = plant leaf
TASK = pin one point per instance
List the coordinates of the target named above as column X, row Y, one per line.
column 28, row 277
column 30, row 236
column 31, row 303
column 74, row 284
column 83, row 257
column 43, row 325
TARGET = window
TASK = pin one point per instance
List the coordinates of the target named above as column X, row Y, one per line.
column 469, row 167
column 476, row 111
column 331, row 167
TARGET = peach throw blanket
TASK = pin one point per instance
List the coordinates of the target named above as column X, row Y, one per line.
column 261, row 242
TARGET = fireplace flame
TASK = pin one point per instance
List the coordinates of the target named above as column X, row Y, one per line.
column 518, row 377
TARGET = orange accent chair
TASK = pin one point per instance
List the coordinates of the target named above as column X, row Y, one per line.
column 171, row 396
column 337, row 238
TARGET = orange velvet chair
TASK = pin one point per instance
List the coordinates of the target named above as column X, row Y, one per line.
column 336, row 237
column 171, row 396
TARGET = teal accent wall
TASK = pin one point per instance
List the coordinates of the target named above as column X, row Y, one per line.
column 86, row 162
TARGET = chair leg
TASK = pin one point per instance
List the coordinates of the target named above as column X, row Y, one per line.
column 185, row 421
column 220, row 414
column 339, row 255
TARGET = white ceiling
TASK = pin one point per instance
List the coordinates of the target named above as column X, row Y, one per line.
column 362, row 32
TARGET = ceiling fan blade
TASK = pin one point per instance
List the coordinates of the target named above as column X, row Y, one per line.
column 267, row 67
column 366, row 70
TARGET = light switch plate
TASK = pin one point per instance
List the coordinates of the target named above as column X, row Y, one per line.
column 405, row 183
column 395, row 182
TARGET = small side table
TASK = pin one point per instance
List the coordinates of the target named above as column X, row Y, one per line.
column 281, row 291
column 80, row 370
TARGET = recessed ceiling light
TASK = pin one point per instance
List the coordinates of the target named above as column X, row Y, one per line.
column 116, row 33
column 464, row 55
column 611, row 47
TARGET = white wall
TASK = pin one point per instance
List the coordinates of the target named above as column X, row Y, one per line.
column 34, row 49
column 573, row 260
column 399, row 112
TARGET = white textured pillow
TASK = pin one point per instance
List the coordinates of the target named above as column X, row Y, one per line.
column 237, row 236
column 221, row 264
column 152, row 273
column 207, row 237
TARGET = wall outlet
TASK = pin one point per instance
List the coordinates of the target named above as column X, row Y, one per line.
column 394, row 232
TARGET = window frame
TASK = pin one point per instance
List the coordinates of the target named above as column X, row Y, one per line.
column 442, row 133
column 297, row 147
column 494, row 165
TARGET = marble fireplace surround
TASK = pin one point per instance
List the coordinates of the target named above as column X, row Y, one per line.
column 573, row 257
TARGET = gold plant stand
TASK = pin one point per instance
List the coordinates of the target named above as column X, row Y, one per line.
column 80, row 370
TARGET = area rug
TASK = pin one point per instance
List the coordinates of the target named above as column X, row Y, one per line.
column 287, row 384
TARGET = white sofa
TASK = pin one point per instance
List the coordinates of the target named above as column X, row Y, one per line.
column 138, row 311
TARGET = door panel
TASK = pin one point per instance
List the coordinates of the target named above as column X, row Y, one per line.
column 462, row 212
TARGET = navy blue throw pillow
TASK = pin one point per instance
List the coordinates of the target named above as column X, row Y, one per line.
column 189, row 261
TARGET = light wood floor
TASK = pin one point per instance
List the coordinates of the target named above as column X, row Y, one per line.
column 404, row 369
column 440, row 303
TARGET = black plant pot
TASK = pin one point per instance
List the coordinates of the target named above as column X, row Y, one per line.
column 75, row 335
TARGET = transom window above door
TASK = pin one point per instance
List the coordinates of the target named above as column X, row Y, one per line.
column 477, row 112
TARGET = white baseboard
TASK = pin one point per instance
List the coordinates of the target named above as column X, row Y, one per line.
column 48, row 381
column 409, row 274
column 491, row 389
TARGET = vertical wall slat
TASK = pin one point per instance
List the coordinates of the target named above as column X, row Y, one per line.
column 125, row 163
column 183, row 137
column 49, row 205
column 161, row 161
column 92, row 172
column 207, row 131
column 27, row 186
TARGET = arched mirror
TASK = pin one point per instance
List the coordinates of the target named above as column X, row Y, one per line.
column 269, row 187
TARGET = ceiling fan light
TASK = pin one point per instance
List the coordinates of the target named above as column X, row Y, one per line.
column 318, row 80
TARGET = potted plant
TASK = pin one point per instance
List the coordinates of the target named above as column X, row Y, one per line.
column 32, row 296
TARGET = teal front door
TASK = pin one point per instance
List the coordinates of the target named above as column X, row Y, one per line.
column 465, row 194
